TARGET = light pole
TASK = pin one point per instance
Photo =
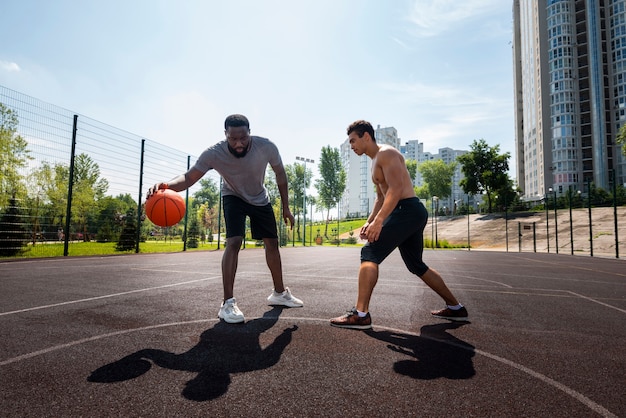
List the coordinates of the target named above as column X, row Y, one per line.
column 556, row 224
column 304, row 160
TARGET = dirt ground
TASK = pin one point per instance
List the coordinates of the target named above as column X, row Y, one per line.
column 489, row 231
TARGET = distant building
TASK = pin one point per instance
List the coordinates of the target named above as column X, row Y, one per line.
column 570, row 93
column 447, row 155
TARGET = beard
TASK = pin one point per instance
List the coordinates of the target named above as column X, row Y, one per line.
column 236, row 153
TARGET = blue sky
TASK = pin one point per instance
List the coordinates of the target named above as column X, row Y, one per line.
column 439, row 71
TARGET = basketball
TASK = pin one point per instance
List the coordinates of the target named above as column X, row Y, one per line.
column 165, row 208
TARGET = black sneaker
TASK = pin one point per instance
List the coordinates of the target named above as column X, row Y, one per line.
column 451, row 314
column 352, row 320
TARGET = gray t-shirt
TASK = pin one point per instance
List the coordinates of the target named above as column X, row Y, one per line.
column 243, row 177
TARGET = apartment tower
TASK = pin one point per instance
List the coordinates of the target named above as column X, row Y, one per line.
column 570, row 94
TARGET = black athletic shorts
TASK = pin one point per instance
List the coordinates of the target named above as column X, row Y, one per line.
column 262, row 219
column 403, row 229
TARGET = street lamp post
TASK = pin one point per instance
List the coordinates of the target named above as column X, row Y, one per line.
column 556, row 224
column 304, row 160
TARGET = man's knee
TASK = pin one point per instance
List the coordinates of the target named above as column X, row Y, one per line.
column 418, row 269
column 271, row 244
column 234, row 243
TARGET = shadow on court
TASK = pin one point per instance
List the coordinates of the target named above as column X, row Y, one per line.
column 436, row 353
column 139, row 336
column 223, row 349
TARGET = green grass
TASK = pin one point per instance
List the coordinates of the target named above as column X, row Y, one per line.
column 42, row 250
column 55, row 249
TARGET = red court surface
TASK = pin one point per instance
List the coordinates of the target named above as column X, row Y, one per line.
column 138, row 336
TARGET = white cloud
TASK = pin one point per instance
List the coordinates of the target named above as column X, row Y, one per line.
column 9, row 66
column 432, row 17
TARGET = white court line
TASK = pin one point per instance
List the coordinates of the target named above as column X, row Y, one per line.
column 545, row 379
column 597, row 301
column 36, row 308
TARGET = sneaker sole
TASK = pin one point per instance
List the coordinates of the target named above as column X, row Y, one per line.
column 230, row 321
column 351, row 326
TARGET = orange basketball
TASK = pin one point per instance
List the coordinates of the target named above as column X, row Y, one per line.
column 165, row 208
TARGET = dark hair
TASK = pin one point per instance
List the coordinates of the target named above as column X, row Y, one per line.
column 235, row 121
column 360, row 127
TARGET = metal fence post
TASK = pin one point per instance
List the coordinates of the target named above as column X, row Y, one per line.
column 68, row 212
column 138, row 237
column 615, row 213
column 186, row 209
column 219, row 217
column 590, row 221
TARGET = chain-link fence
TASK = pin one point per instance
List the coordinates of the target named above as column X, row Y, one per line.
column 43, row 213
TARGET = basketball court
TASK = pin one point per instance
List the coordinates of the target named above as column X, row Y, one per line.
column 138, row 335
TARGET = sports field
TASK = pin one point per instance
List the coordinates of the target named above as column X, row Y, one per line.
column 138, row 335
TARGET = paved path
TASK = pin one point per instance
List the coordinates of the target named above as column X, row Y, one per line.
column 138, row 336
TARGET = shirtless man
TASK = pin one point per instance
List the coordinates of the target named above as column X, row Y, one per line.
column 397, row 221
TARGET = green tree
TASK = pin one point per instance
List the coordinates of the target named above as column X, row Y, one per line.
column 128, row 237
column 438, row 176
column 506, row 196
column 422, row 192
column 13, row 235
column 298, row 180
column 14, row 156
column 332, row 182
column 208, row 194
column 485, row 170
column 273, row 192
column 205, row 205
column 88, row 189
column 621, row 138
column 411, row 165
column 51, row 185
column 193, row 233
column 111, row 215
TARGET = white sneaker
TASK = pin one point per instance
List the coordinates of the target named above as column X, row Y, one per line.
column 285, row 299
column 230, row 313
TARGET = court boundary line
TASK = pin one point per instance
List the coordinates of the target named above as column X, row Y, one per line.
column 112, row 295
column 540, row 376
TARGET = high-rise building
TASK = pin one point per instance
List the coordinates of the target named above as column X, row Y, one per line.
column 570, row 94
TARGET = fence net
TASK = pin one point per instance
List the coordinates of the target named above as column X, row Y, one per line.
column 41, row 144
